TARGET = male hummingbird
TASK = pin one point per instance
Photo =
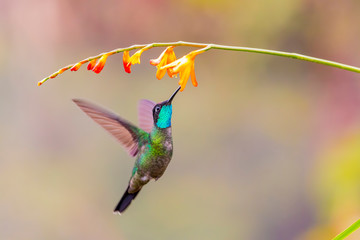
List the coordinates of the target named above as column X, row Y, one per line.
column 151, row 144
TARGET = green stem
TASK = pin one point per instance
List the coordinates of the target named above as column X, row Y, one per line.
column 348, row 231
column 290, row 55
column 206, row 47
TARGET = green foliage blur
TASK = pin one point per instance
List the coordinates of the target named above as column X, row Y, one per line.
column 265, row 147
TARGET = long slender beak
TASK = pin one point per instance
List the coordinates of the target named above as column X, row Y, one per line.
column 172, row 96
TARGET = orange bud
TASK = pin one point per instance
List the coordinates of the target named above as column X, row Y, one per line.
column 126, row 62
column 91, row 64
column 62, row 70
column 100, row 64
column 54, row 75
column 76, row 66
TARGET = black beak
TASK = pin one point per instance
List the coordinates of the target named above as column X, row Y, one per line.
column 172, row 96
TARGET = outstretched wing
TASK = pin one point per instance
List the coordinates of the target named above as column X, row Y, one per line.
column 126, row 133
column 145, row 114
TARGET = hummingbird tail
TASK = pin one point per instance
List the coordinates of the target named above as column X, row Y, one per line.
column 125, row 201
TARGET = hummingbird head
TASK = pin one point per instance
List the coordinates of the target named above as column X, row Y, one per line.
column 162, row 112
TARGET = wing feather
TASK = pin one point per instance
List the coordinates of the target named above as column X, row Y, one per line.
column 126, row 133
column 145, row 114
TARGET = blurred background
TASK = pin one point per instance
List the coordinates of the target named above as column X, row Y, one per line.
column 265, row 147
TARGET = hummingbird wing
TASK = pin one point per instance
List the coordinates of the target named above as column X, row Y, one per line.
column 145, row 114
column 126, row 133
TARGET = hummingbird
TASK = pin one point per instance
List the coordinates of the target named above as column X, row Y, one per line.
column 150, row 143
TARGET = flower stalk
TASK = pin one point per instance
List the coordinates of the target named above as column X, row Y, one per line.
column 101, row 58
column 348, row 231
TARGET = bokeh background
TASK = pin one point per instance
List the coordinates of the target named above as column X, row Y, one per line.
column 265, row 147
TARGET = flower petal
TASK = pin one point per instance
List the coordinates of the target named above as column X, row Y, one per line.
column 171, row 56
column 135, row 58
column 157, row 61
column 154, row 62
column 193, row 77
column 160, row 73
column 184, row 77
column 171, row 72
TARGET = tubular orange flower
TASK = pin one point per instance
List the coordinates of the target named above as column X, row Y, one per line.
column 100, row 64
column 91, row 64
column 185, row 67
column 126, row 62
column 166, row 57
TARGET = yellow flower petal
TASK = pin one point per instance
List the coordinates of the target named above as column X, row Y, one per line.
column 135, row 58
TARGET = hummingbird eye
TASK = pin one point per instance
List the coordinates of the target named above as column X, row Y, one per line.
column 157, row 109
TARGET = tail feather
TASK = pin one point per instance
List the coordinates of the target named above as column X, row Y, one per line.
column 125, row 201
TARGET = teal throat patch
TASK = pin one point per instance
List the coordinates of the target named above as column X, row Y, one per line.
column 164, row 120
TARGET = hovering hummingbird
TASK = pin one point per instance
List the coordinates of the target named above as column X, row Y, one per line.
column 151, row 144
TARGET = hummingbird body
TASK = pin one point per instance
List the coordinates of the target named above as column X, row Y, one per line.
column 153, row 158
column 151, row 144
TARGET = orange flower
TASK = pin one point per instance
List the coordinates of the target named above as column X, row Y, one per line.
column 126, row 62
column 134, row 59
column 166, row 57
column 100, row 64
column 185, row 67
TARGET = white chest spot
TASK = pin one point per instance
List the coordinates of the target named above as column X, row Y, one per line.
column 144, row 178
column 168, row 145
